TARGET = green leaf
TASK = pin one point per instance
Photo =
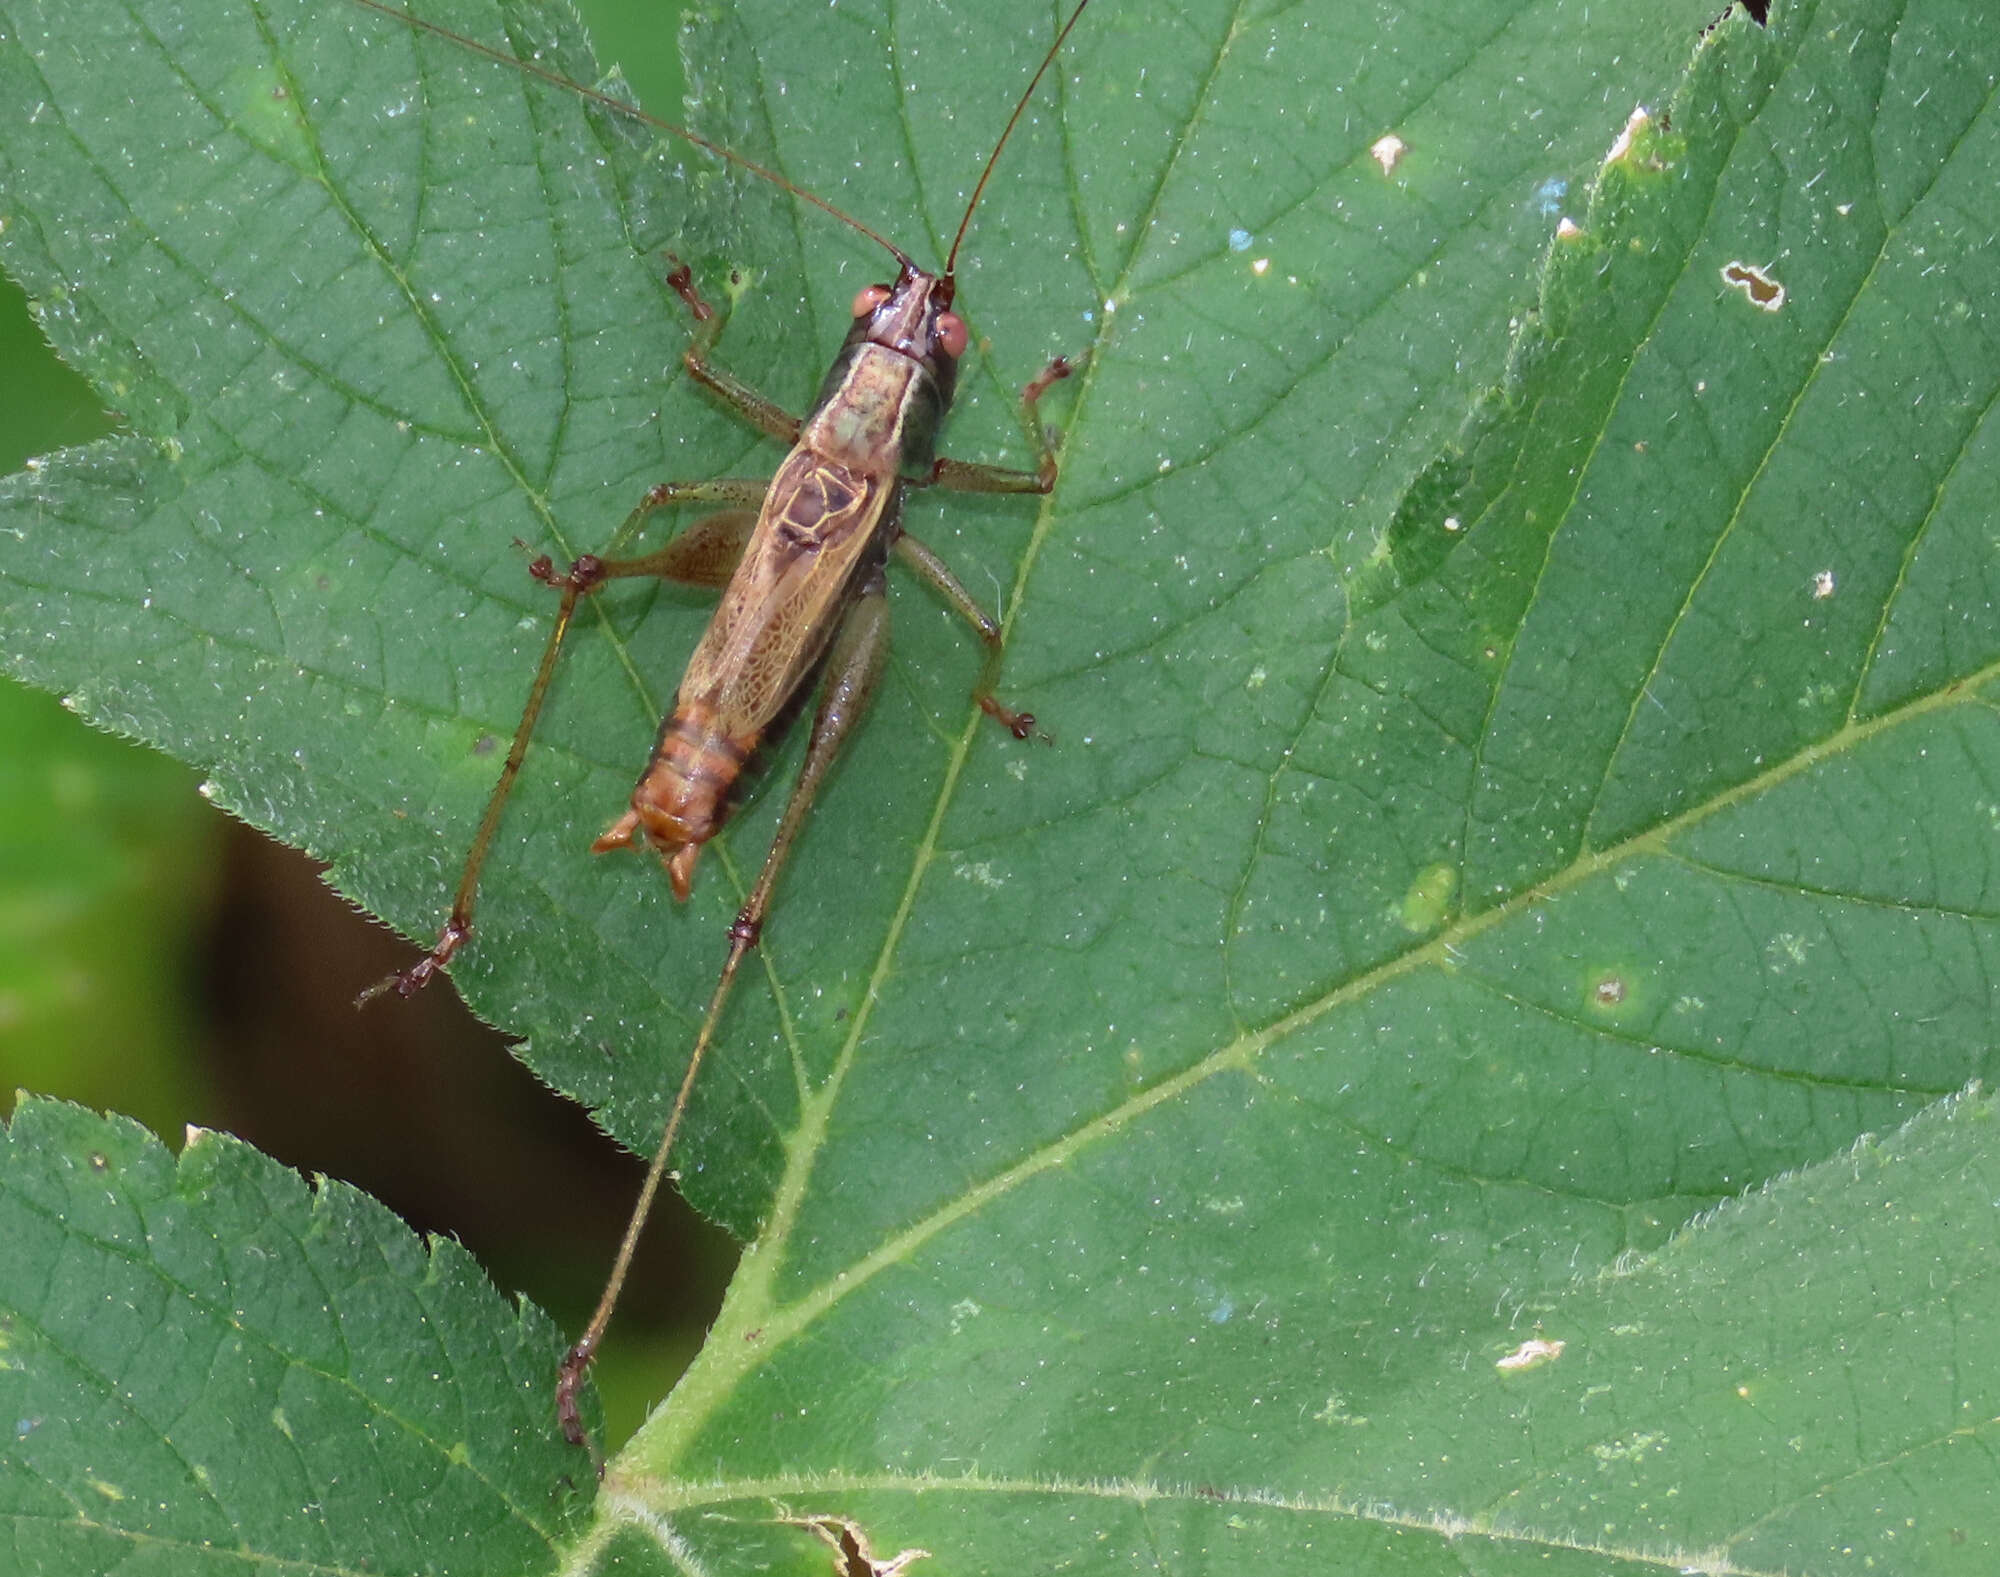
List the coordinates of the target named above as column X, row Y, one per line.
column 205, row 1366
column 1471, row 849
column 1790, row 1384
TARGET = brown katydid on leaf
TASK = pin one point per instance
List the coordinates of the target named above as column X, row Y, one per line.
column 1473, row 855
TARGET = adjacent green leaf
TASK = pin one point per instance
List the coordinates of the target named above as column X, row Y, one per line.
column 1470, row 849
column 207, row 1367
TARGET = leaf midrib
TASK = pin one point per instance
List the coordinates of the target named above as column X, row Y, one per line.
column 642, row 1501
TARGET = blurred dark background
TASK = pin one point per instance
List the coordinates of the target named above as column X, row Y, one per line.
column 161, row 960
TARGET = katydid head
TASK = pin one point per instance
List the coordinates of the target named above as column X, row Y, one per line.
column 913, row 316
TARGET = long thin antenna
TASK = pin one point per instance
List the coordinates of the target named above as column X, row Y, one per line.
column 1020, row 109
column 619, row 106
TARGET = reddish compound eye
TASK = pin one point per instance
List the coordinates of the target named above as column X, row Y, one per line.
column 951, row 334
column 868, row 298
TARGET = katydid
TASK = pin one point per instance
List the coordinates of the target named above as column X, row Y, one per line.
column 800, row 561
